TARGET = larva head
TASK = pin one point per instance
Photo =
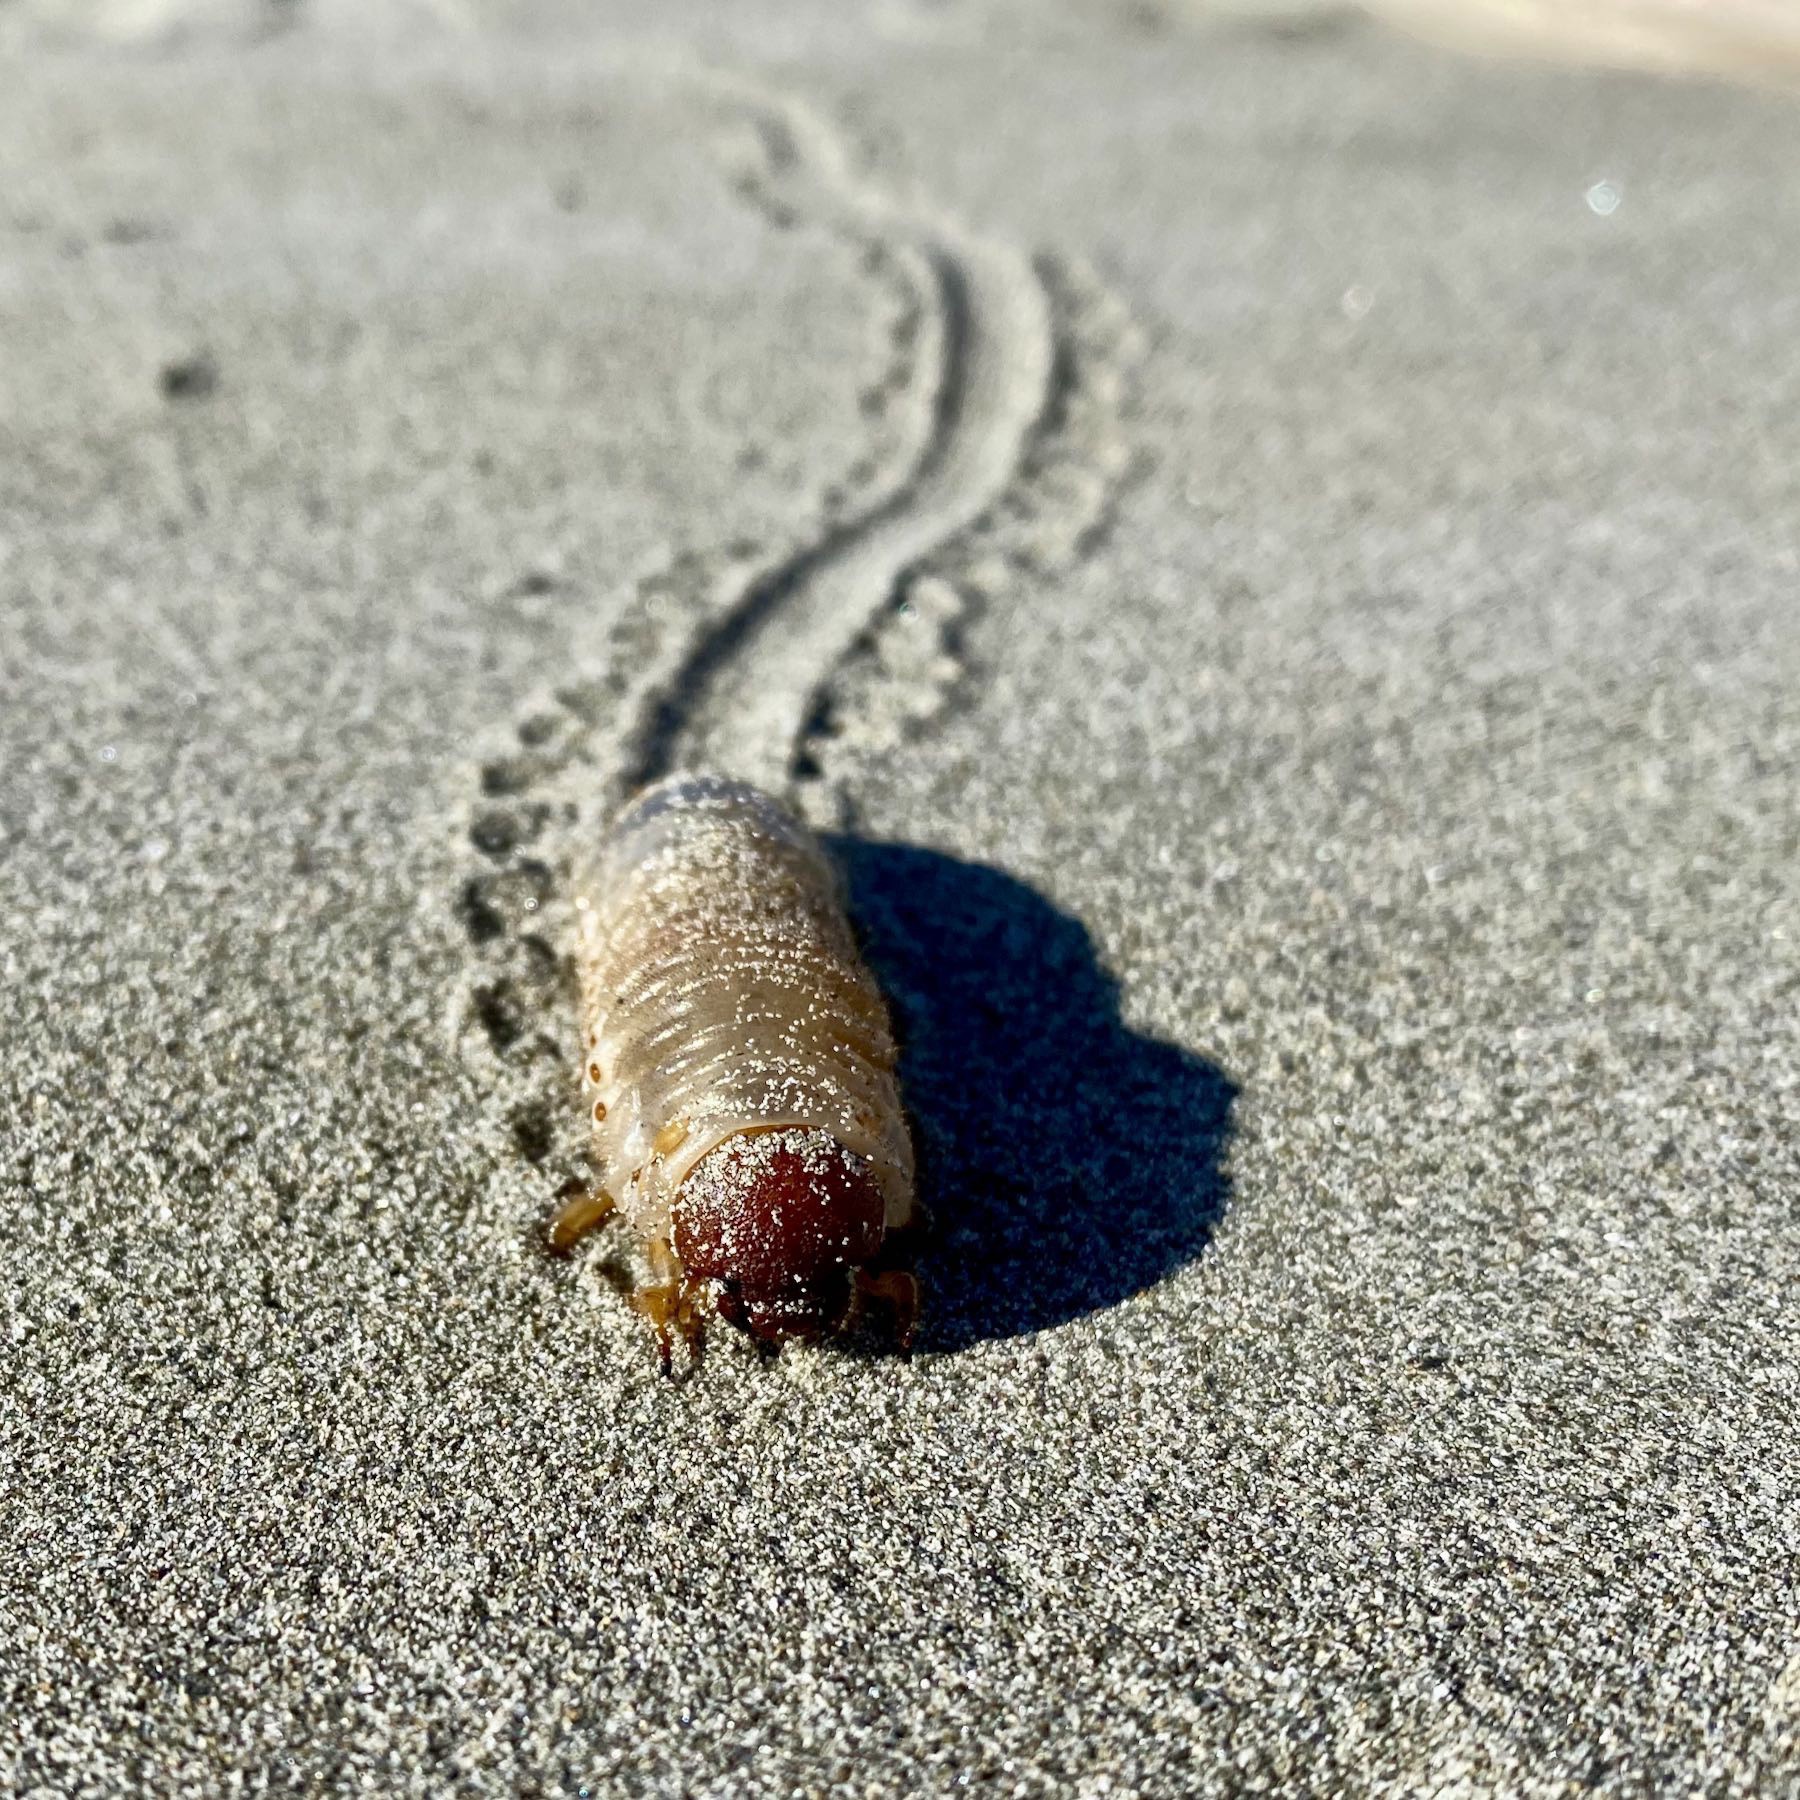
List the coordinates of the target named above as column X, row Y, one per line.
column 777, row 1221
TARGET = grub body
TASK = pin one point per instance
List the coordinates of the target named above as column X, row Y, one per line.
column 724, row 999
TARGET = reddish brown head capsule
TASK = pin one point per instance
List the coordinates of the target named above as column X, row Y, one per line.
column 777, row 1222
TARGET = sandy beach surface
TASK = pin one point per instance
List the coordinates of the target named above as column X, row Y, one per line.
column 1270, row 546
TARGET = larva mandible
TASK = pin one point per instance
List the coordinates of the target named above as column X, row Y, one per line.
column 740, row 1069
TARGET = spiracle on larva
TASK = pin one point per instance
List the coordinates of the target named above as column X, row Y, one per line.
column 740, row 1072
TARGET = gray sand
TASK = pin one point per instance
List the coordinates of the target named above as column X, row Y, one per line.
column 1324, row 805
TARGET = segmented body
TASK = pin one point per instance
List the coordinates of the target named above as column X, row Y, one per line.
column 723, row 995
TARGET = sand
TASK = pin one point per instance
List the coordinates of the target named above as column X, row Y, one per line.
column 1271, row 547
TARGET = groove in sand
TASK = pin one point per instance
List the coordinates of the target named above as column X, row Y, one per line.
column 741, row 697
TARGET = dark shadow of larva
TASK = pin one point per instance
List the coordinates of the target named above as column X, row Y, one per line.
column 1067, row 1162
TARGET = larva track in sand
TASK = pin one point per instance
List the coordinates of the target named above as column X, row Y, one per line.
column 742, row 696
column 909, row 662
column 995, row 446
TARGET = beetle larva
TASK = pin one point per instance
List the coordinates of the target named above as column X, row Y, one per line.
column 740, row 1071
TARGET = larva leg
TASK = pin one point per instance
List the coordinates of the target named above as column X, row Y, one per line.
column 664, row 1264
column 889, row 1278
column 898, row 1290
column 668, row 1302
column 588, row 1208
column 658, row 1305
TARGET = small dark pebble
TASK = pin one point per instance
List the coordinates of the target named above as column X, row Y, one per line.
column 189, row 378
column 494, row 833
column 131, row 231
